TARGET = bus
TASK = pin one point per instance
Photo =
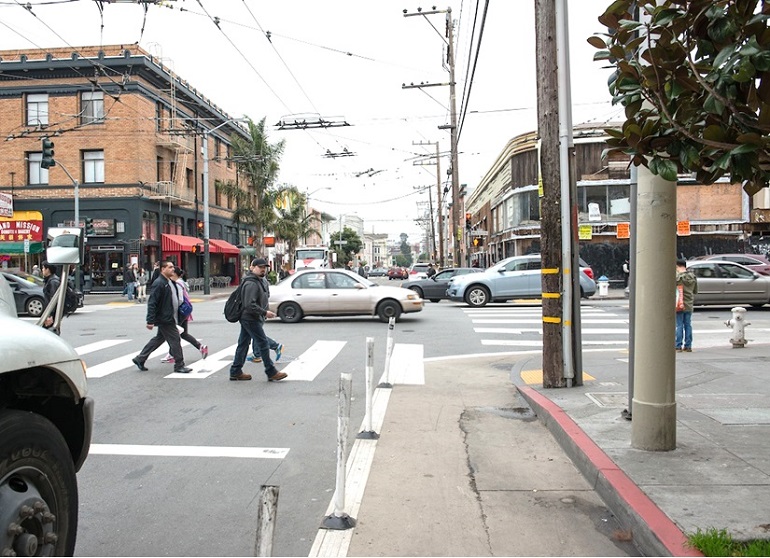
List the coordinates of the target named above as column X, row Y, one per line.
column 311, row 256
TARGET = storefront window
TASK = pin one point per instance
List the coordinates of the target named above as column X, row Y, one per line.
column 150, row 225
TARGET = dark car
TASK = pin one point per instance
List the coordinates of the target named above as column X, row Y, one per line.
column 434, row 288
column 378, row 272
column 28, row 295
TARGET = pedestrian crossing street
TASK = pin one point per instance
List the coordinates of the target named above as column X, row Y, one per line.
column 521, row 328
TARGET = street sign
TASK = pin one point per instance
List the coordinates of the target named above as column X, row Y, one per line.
column 340, row 242
column 479, row 233
column 26, row 245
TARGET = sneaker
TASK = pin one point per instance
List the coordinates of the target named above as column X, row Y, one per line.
column 687, row 349
column 254, row 358
column 139, row 365
column 277, row 376
column 278, row 352
column 183, row 370
column 168, row 359
column 240, row 377
column 204, row 351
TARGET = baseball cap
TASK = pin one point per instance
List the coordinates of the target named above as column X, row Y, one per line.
column 258, row 262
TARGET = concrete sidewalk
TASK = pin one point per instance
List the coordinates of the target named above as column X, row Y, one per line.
column 459, row 469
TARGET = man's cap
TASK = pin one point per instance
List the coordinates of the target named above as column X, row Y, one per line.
column 682, row 262
column 258, row 262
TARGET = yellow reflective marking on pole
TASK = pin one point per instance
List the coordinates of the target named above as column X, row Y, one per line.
column 550, row 270
column 567, row 323
column 551, row 320
column 551, row 295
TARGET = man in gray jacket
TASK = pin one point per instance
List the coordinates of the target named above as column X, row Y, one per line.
column 255, row 297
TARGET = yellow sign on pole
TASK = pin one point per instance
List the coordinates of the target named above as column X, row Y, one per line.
column 585, row 232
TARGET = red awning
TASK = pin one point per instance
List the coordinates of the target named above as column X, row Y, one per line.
column 179, row 243
column 222, row 247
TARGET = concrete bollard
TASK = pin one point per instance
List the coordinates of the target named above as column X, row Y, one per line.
column 388, row 352
column 266, row 514
column 339, row 520
column 738, row 323
column 368, row 432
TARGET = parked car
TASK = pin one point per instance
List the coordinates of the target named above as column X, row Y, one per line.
column 514, row 277
column 337, row 292
column 729, row 283
column 46, row 423
column 434, row 288
column 419, row 271
column 754, row 262
column 378, row 272
column 397, row 273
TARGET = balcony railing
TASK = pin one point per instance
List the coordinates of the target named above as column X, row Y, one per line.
column 168, row 190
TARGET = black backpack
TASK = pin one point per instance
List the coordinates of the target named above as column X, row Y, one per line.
column 234, row 304
column 70, row 301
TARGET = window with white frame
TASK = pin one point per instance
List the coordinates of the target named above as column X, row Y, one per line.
column 91, row 107
column 37, row 109
column 93, row 166
column 35, row 173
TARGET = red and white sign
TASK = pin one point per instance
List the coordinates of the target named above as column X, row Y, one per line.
column 6, row 205
column 24, row 225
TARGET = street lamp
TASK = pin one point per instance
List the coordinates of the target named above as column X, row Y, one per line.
column 307, row 206
column 205, row 155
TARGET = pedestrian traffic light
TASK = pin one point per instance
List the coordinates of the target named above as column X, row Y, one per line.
column 196, row 249
column 89, row 226
column 200, row 229
column 47, row 160
column 476, row 241
column 468, row 221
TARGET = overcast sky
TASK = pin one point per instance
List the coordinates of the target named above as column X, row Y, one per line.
column 345, row 60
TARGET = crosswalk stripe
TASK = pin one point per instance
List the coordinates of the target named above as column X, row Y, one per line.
column 406, row 364
column 188, row 451
column 123, row 362
column 202, row 369
column 539, row 342
column 540, row 321
column 310, row 363
column 99, row 345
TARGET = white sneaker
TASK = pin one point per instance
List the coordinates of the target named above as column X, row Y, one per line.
column 168, row 359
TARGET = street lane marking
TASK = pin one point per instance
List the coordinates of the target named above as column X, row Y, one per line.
column 202, row 369
column 99, row 345
column 124, row 362
column 406, row 364
column 539, row 343
column 310, row 363
column 188, row 451
column 515, row 321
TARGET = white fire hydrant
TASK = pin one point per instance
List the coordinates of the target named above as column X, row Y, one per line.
column 604, row 286
column 738, row 323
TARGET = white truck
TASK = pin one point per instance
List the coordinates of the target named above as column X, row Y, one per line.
column 316, row 257
column 46, row 421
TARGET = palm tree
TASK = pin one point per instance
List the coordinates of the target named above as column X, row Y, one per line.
column 292, row 222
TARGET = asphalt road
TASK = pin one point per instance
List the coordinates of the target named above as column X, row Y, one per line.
column 177, row 462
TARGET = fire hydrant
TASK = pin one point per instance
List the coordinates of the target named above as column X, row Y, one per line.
column 738, row 323
column 604, row 285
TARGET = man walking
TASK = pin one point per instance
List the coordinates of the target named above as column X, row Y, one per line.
column 255, row 310
column 163, row 311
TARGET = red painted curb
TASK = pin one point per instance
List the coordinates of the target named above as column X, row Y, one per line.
column 659, row 523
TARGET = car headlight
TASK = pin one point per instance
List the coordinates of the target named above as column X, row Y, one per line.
column 412, row 296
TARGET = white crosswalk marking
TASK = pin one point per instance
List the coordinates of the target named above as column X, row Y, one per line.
column 99, row 345
column 310, row 363
column 204, row 368
column 406, row 364
column 188, row 451
column 121, row 363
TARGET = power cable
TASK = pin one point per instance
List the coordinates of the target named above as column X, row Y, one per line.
column 473, row 72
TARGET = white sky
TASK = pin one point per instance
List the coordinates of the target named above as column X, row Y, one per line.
column 305, row 68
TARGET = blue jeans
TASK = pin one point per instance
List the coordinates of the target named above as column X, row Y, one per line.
column 271, row 343
column 252, row 329
column 683, row 330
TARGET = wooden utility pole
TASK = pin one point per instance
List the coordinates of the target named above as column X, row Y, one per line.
column 550, row 202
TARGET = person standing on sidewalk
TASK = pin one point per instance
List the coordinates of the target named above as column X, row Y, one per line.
column 141, row 285
column 162, row 311
column 255, row 310
column 689, row 285
column 129, row 277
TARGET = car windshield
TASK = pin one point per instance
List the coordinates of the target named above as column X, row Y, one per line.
column 22, row 281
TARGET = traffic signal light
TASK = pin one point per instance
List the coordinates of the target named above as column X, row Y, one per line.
column 197, row 249
column 48, row 160
column 476, row 241
column 200, row 229
column 89, row 226
column 468, row 221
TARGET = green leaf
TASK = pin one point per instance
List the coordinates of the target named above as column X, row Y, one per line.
column 744, row 148
column 713, row 105
column 597, row 42
column 667, row 170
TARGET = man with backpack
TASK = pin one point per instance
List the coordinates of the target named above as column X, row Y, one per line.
column 255, row 309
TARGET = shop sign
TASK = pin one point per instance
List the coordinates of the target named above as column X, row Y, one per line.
column 585, row 232
column 6, row 205
column 22, row 225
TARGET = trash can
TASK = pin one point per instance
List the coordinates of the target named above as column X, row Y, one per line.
column 604, row 285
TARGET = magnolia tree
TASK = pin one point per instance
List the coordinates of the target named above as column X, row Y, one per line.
column 694, row 78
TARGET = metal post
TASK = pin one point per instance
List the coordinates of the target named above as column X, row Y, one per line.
column 266, row 514
column 206, row 247
column 388, row 352
column 77, row 217
column 368, row 432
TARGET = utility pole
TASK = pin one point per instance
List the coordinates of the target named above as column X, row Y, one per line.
column 456, row 230
column 550, row 218
column 439, row 208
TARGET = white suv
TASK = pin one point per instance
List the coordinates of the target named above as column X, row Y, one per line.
column 45, row 434
column 419, row 271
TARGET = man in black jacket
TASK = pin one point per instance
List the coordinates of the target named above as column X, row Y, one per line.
column 255, row 309
column 162, row 311
column 50, row 286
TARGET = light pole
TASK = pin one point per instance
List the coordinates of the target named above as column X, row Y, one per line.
column 307, row 207
column 205, row 155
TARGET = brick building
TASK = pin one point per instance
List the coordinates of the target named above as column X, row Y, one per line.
column 130, row 132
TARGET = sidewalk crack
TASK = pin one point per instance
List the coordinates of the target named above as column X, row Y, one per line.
column 465, row 417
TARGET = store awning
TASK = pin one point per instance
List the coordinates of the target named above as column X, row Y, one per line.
column 179, row 243
column 218, row 246
column 18, row 247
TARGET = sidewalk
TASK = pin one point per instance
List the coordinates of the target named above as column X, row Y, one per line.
column 454, row 473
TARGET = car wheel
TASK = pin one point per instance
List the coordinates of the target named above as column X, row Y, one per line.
column 477, row 296
column 38, row 487
column 388, row 309
column 435, row 300
column 290, row 312
column 417, row 290
column 34, row 306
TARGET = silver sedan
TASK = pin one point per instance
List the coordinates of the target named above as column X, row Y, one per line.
column 729, row 283
column 337, row 292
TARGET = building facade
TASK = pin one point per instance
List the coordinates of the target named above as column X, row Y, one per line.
column 127, row 137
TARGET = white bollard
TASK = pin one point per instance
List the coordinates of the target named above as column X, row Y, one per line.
column 339, row 519
column 368, row 432
column 738, row 323
column 388, row 352
column 266, row 514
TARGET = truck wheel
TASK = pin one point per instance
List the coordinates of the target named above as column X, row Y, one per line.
column 38, row 487
column 388, row 309
column 290, row 312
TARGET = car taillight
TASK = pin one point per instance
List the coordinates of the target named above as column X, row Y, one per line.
column 589, row 272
